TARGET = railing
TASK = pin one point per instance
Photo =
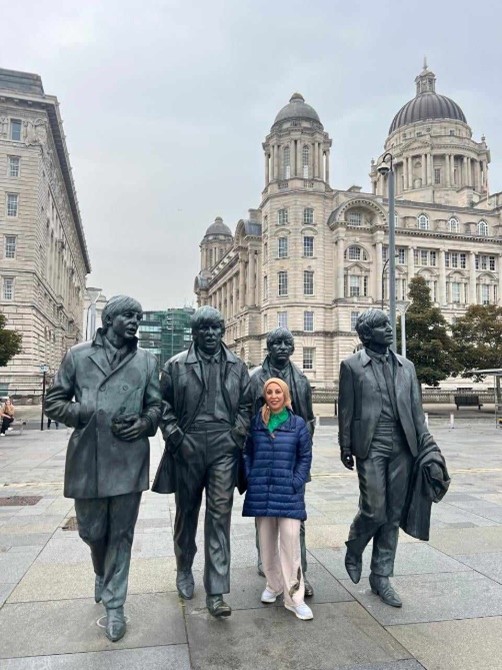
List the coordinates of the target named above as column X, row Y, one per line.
column 429, row 395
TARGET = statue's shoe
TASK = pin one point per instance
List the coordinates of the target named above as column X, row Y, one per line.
column 353, row 565
column 383, row 588
column 217, row 606
column 309, row 589
column 98, row 587
column 115, row 624
column 185, row 584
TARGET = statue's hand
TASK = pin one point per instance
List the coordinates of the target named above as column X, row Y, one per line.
column 131, row 431
column 347, row 459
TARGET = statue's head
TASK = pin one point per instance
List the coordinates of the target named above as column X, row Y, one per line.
column 208, row 328
column 373, row 327
column 280, row 346
column 122, row 314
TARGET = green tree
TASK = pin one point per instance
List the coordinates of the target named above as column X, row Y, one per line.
column 10, row 342
column 428, row 343
column 479, row 337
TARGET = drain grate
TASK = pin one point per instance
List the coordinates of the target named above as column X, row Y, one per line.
column 19, row 501
column 71, row 524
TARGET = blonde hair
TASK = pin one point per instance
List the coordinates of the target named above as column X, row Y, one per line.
column 265, row 410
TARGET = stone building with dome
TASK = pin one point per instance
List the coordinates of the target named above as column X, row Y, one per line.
column 312, row 257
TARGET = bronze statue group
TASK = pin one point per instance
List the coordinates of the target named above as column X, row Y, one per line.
column 225, row 427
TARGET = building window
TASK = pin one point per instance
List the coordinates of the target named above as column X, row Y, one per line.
column 357, row 286
column 424, row 257
column 454, row 259
column 423, row 222
column 15, row 130
column 12, row 204
column 305, row 161
column 308, row 247
column 10, row 246
column 463, row 261
column 353, row 320
column 282, row 278
column 308, row 216
column 433, row 258
column 437, row 175
column 282, row 319
column 286, row 163
column 282, row 216
column 265, row 251
column 483, row 228
column 308, row 282
column 355, row 218
column 385, row 253
column 453, row 225
column 401, row 256
column 485, row 294
column 491, row 260
column 8, row 288
column 14, row 163
column 265, row 287
column 282, row 247
column 308, row 358
column 455, row 292
column 308, row 322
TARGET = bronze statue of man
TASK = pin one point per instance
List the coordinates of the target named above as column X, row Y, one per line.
column 381, row 422
column 277, row 363
column 205, row 419
column 108, row 391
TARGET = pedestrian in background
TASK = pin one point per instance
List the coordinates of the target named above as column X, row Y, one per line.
column 7, row 415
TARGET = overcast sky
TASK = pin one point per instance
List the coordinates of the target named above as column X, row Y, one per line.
column 166, row 103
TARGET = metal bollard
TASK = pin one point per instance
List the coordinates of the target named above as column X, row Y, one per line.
column 452, row 420
column 426, row 414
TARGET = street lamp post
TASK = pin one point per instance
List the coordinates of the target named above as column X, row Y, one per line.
column 403, row 306
column 386, row 169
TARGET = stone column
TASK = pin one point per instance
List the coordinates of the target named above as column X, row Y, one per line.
column 326, row 176
column 424, row 170
column 251, row 279
column 378, row 270
column 299, row 167
column 411, row 263
column 478, row 176
column 442, row 279
column 405, row 174
column 319, row 160
column 464, row 172
column 272, row 162
column 267, row 167
column 429, row 169
column 242, row 283
column 340, row 248
column 315, row 160
column 447, row 169
column 473, row 298
column 235, row 300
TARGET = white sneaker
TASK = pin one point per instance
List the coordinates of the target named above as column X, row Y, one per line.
column 302, row 611
column 269, row 596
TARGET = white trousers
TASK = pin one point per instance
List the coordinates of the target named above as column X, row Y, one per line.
column 281, row 558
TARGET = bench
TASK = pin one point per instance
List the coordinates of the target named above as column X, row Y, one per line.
column 470, row 400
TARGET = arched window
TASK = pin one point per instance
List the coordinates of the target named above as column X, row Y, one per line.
column 423, row 222
column 305, row 160
column 355, row 253
column 286, row 163
column 483, row 228
column 453, row 225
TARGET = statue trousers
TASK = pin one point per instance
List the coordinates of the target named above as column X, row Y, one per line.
column 383, row 484
column 206, row 459
column 107, row 526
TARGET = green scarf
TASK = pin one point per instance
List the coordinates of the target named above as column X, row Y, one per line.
column 278, row 419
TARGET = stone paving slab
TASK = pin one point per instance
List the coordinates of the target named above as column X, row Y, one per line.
column 460, row 595
column 15, row 562
column 489, row 564
column 52, row 581
column 68, row 627
column 411, row 559
column 467, row 540
column 263, row 639
column 473, row 644
column 172, row 657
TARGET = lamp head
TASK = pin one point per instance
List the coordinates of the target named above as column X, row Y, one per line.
column 383, row 169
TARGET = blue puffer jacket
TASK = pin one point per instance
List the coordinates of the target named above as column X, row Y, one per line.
column 277, row 465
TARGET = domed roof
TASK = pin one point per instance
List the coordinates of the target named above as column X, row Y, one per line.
column 297, row 108
column 427, row 104
column 218, row 228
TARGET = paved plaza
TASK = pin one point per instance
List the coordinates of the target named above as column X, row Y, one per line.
column 451, row 587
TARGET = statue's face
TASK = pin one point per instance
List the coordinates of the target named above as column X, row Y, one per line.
column 126, row 325
column 208, row 337
column 381, row 335
column 281, row 351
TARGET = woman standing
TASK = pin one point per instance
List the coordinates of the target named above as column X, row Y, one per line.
column 7, row 415
column 277, row 459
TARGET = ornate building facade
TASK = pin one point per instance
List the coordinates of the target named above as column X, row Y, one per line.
column 43, row 254
column 312, row 257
